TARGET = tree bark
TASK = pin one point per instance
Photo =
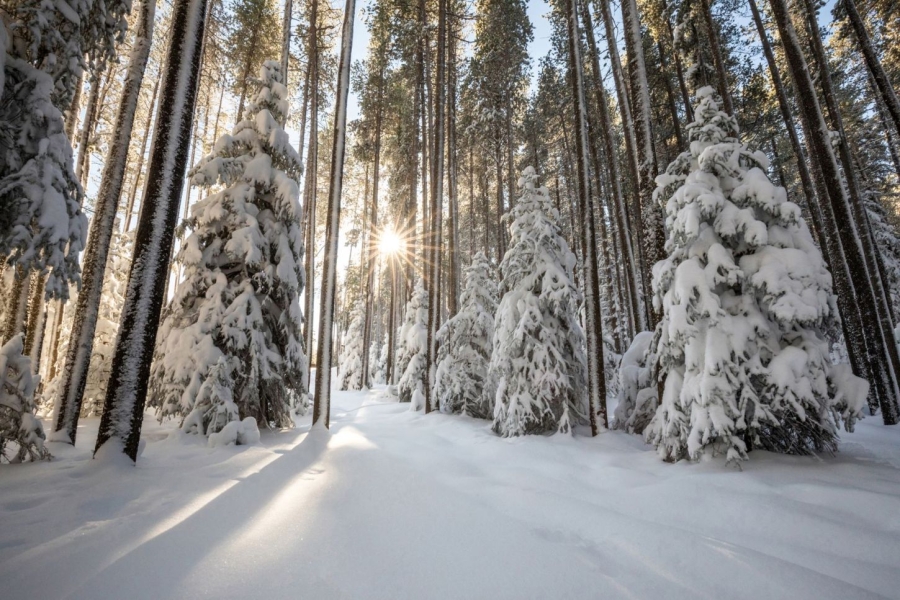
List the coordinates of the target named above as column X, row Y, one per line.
column 129, row 211
column 126, row 393
column 594, row 329
column 311, row 187
column 322, row 398
column 846, row 254
column 87, row 307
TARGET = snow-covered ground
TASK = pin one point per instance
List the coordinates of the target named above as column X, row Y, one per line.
column 393, row 504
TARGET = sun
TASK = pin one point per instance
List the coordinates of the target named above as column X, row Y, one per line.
column 389, row 243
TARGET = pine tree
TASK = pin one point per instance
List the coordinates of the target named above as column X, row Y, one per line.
column 745, row 297
column 351, row 364
column 240, row 300
column 42, row 227
column 465, row 346
column 538, row 364
column 413, row 348
column 21, row 433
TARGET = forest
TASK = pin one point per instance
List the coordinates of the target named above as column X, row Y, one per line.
column 666, row 232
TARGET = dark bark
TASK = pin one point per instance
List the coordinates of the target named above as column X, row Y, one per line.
column 123, row 410
column 87, row 306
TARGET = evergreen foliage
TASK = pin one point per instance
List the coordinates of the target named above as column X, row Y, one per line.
column 465, row 346
column 238, row 308
column 538, row 365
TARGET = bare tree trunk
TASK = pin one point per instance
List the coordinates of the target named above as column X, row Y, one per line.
column 309, row 208
column 74, row 107
column 651, row 215
column 718, row 61
column 452, row 170
column 126, row 393
column 82, row 163
column 785, row 108
column 670, row 94
column 372, row 253
column 87, row 307
column 632, row 206
column 129, row 211
column 286, row 43
column 882, row 82
column 322, row 399
column 846, row 255
column 433, row 281
column 594, row 329
column 618, row 210
column 17, row 305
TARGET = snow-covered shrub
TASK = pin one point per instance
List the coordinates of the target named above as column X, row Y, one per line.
column 21, row 433
column 42, row 227
column 112, row 299
column 351, row 376
column 243, row 276
column 413, row 348
column 637, row 396
column 538, row 365
column 745, row 297
column 465, row 344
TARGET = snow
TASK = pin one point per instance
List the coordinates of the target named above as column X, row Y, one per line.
column 395, row 504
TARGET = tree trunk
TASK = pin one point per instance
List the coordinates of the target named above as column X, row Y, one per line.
column 87, row 307
column 651, row 215
column 82, row 163
column 618, row 210
column 883, row 83
column 594, row 330
column 452, row 170
column 311, row 190
column 433, row 282
column 129, row 211
column 670, row 94
column 286, row 44
column 74, row 107
column 632, row 206
column 847, row 259
column 372, row 249
column 718, row 61
column 123, row 410
column 322, row 399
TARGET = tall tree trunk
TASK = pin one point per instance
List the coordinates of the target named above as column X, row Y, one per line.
column 863, row 235
column 651, row 215
column 846, row 255
column 670, row 94
column 16, row 305
column 82, row 162
column 882, row 82
column 372, row 249
column 286, row 44
column 35, row 319
column 74, row 108
column 311, row 189
column 679, row 69
column 433, row 281
column 87, row 307
column 618, row 210
column 594, row 329
column 718, row 60
column 322, row 398
column 123, row 410
column 633, row 205
column 129, row 210
column 452, row 169
column 785, row 108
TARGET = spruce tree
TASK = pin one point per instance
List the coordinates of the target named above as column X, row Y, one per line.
column 21, row 433
column 745, row 297
column 239, row 304
column 350, row 362
column 538, row 365
column 413, row 348
column 465, row 346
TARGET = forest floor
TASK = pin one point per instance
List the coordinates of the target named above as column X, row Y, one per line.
column 393, row 504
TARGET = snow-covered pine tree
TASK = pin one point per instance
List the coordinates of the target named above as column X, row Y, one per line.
column 350, row 363
column 538, row 366
column 111, row 301
column 745, row 297
column 42, row 228
column 888, row 242
column 413, row 348
column 465, row 344
column 240, row 299
column 21, row 433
